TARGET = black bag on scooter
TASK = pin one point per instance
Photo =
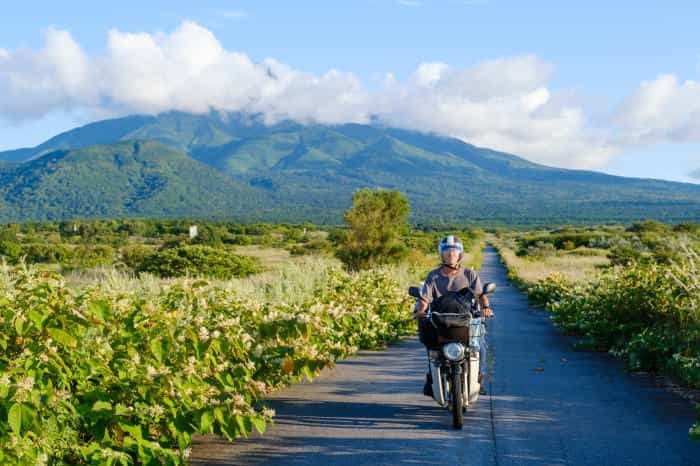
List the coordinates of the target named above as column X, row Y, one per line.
column 451, row 314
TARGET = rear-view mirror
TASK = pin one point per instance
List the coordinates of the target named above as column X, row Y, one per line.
column 489, row 288
column 414, row 291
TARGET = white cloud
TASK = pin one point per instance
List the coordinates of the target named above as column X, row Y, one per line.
column 505, row 104
column 502, row 104
column 32, row 83
column 661, row 110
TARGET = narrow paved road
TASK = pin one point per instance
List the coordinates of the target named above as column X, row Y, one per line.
column 547, row 404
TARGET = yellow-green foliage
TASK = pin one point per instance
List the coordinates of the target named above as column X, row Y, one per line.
column 377, row 220
column 577, row 265
column 117, row 377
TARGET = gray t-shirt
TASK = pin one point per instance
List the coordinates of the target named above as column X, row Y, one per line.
column 437, row 283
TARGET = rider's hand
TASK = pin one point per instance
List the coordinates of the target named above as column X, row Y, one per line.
column 487, row 312
column 418, row 315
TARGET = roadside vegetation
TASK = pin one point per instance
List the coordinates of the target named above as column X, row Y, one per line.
column 633, row 291
column 122, row 338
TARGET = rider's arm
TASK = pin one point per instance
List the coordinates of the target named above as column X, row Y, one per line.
column 419, row 308
column 484, row 301
column 483, row 298
column 426, row 293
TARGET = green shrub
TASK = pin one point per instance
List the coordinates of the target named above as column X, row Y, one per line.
column 198, row 260
column 651, row 226
column 568, row 245
column 46, row 253
column 10, row 250
column 242, row 240
column 540, row 250
column 314, row 246
column 378, row 219
column 89, row 377
column 87, row 256
column 134, row 255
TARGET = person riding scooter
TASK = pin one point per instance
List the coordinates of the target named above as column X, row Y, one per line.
column 450, row 276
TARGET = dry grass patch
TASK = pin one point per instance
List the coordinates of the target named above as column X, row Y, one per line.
column 576, row 266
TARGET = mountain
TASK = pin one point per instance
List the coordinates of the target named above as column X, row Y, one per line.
column 235, row 166
column 121, row 179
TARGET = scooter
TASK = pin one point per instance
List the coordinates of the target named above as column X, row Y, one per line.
column 454, row 361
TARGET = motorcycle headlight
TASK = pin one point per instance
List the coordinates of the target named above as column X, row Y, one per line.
column 453, row 351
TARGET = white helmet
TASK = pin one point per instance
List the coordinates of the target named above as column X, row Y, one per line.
column 450, row 242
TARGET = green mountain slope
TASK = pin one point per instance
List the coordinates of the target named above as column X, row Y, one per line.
column 235, row 165
column 123, row 179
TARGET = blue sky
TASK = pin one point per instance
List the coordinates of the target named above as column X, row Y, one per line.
column 578, row 68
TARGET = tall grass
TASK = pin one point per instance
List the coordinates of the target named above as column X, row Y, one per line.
column 292, row 280
column 570, row 265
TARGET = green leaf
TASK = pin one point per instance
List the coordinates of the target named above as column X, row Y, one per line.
column 19, row 325
column 206, row 423
column 99, row 310
column 37, row 318
column 183, row 440
column 157, row 349
column 88, row 450
column 258, row 423
column 63, row 337
column 134, row 431
column 308, row 373
column 102, row 406
column 242, row 424
column 121, row 410
column 219, row 415
column 14, row 418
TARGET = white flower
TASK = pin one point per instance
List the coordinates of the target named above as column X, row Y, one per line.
column 220, row 367
column 259, row 386
column 63, row 395
column 268, row 412
column 215, row 334
column 203, row 334
column 156, row 411
column 26, row 384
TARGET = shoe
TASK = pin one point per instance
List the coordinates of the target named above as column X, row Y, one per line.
column 482, row 386
column 428, row 387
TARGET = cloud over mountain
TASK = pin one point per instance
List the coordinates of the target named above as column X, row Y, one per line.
column 505, row 104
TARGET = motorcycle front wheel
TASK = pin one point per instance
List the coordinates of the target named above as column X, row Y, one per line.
column 457, row 400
